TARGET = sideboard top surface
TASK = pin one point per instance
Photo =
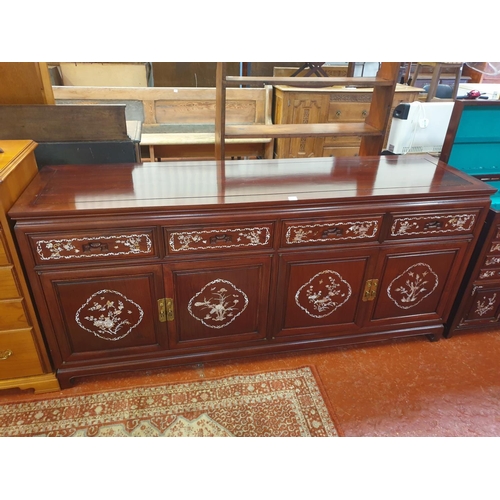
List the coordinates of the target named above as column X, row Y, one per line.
column 96, row 189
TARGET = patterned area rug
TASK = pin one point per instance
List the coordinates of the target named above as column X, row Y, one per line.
column 282, row 403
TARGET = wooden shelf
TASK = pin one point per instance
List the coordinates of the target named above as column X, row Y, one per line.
column 301, row 130
column 372, row 131
column 308, row 82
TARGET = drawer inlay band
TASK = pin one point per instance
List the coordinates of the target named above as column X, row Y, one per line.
column 99, row 246
column 202, row 240
column 334, row 231
column 427, row 225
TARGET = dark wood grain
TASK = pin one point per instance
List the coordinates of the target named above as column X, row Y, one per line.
column 52, row 123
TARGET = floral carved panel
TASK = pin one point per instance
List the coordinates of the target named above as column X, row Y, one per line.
column 323, row 294
column 109, row 315
column 412, row 286
column 218, row 304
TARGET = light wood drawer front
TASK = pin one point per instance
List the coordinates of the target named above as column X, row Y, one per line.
column 341, row 151
column 427, row 225
column 18, row 355
column 345, row 112
column 4, row 259
column 331, row 231
column 245, row 236
column 12, row 315
column 354, row 140
column 8, row 285
column 90, row 246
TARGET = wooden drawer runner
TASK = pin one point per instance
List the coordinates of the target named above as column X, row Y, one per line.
column 103, row 245
column 228, row 237
column 18, row 355
column 331, row 231
column 426, row 225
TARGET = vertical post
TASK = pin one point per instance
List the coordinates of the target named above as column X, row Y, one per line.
column 220, row 111
column 380, row 110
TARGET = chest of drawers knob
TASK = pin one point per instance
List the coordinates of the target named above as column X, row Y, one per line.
column 5, row 354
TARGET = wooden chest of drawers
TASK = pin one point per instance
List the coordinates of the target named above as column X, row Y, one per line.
column 23, row 358
column 326, row 105
column 149, row 265
column 479, row 307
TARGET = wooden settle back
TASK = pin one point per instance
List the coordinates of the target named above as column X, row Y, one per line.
column 180, row 122
column 175, row 106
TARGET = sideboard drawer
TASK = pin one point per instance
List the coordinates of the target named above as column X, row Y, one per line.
column 94, row 245
column 18, row 355
column 328, row 231
column 227, row 237
column 495, row 248
column 428, row 225
column 491, row 261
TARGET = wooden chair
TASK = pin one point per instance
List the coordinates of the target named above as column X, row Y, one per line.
column 454, row 68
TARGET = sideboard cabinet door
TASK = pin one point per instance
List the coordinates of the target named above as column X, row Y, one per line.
column 416, row 284
column 320, row 293
column 104, row 312
column 482, row 308
column 217, row 301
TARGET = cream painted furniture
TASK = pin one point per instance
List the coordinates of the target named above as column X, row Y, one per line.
column 24, row 362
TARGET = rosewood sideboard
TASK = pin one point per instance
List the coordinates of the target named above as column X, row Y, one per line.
column 140, row 266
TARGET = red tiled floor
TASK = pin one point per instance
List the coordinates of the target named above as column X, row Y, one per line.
column 406, row 387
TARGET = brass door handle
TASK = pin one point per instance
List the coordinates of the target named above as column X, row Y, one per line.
column 165, row 310
column 169, row 303
column 370, row 291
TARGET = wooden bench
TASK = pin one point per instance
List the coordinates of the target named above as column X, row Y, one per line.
column 179, row 123
column 73, row 134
